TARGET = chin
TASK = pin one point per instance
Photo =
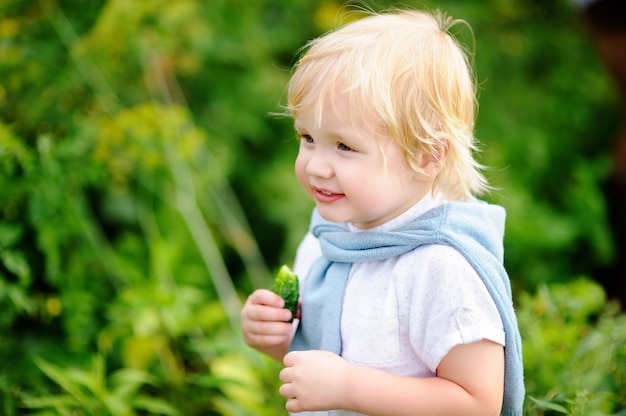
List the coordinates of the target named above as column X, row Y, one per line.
column 328, row 215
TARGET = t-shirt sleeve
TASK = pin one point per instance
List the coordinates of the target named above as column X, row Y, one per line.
column 450, row 305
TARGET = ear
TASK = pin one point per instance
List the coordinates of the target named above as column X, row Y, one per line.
column 431, row 164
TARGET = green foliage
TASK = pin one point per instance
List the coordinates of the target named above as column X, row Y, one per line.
column 97, row 393
column 574, row 350
column 145, row 187
column 547, row 118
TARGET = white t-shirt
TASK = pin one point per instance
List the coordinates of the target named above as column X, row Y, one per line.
column 405, row 313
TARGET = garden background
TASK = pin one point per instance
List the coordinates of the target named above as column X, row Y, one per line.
column 146, row 189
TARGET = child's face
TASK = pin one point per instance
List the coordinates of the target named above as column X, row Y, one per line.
column 341, row 165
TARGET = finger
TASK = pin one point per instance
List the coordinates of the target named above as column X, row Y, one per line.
column 267, row 303
column 278, row 327
column 293, row 405
column 266, row 332
column 286, row 390
column 267, row 297
column 285, row 375
column 262, row 319
column 289, row 360
column 265, row 340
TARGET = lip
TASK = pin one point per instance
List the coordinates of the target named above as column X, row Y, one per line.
column 325, row 195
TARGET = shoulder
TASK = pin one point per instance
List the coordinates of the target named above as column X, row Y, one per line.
column 438, row 274
column 433, row 259
column 447, row 301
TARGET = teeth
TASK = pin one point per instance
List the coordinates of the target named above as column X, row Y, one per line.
column 326, row 192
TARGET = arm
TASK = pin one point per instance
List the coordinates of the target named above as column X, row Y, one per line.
column 469, row 381
column 265, row 323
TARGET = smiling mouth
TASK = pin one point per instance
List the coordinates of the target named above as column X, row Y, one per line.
column 324, row 195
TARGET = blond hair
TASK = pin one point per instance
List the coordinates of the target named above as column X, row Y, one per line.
column 407, row 76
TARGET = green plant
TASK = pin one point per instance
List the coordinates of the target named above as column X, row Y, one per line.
column 574, row 350
column 144, row 189
column 94, row 392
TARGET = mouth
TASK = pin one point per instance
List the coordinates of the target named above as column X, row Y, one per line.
column 325, row 195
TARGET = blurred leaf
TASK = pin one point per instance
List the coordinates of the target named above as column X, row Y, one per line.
column 16, row 263
column 9, row 234
column 155, row 405
column 546, row 405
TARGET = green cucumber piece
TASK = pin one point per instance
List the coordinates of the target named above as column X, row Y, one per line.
column 287, row 286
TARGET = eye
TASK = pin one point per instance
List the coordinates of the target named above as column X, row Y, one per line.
column 306, row 138
column 345, row 147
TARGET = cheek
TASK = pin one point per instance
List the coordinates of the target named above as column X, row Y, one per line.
column 300, row 170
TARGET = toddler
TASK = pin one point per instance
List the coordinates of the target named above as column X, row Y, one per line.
column 405, row 304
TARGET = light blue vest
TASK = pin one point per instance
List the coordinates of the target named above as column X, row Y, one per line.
column 475, row 229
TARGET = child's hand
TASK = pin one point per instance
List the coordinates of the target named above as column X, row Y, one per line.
column 313, row 380
column 265, row 323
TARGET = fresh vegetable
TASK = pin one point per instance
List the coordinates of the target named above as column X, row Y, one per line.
column 287, row 286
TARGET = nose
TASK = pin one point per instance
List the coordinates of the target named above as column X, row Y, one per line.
column 318, row 165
